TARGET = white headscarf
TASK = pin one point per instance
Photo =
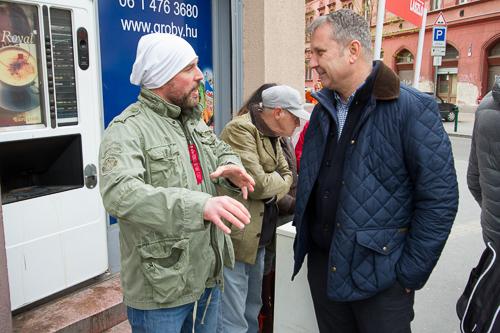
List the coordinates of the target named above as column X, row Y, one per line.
column 159, row 58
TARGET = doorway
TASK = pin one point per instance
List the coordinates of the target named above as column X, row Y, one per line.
column 447, row 87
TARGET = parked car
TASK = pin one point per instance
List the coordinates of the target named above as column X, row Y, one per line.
column 448, row 111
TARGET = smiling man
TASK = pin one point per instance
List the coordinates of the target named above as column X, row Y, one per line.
column 377, row 192
column 159, row 165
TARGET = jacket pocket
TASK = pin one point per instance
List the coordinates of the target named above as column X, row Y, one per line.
column 205, row 133
column 376, row 252
column 164, row 165
column 165, row 263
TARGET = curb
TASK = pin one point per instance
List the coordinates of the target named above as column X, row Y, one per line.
column 459, row 135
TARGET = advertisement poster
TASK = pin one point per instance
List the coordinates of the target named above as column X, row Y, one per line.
column 19, row 76
column 123, row 22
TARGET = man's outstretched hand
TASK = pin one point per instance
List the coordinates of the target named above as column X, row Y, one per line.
column 236, row 175
column 228, row 208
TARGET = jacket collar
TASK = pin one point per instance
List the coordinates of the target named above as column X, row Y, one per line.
column 164, row 108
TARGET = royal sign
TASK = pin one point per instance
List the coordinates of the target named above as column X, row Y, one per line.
column 409, row 10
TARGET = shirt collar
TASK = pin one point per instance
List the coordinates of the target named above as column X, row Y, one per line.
column 338, row 99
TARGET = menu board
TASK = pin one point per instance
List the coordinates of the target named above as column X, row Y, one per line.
column 20, row 95
column 64, row 67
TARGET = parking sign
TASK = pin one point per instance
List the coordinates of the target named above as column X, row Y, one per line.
column 439, row 36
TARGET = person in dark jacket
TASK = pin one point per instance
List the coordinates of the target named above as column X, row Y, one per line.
column 483, row 174
column 377, row 192
column 479, row 306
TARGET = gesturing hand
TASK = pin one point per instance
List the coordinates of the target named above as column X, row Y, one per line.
column 236, row 175
column 228, row 208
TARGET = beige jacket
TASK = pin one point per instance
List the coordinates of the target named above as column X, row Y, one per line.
column 272, row 177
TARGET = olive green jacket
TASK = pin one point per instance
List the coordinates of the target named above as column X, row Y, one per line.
column 169, row 254
column 272, row 177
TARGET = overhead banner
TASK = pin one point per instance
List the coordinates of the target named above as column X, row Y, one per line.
column 409, row 10
column 123, row 22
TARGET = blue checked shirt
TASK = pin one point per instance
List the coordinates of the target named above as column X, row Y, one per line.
column 342, row 109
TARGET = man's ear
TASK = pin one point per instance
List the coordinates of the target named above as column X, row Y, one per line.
column 354, row 48
column 278, row 113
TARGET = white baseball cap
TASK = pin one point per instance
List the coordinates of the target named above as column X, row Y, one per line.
column 285, row 97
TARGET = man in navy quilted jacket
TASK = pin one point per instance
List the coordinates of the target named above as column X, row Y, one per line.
column 377, row 191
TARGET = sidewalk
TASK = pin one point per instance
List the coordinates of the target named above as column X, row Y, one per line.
column 465, row 124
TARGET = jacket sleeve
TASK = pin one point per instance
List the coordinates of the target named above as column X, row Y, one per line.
column 267, row 184
column 473, row 169
column 126, row 195
column 429, row 162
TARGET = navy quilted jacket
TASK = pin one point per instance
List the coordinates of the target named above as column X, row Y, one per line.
column 399, row 195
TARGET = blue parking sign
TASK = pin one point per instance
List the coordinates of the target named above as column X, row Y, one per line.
column 439, row 36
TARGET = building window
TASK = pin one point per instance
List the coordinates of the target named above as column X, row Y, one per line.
column 493, row 64
column 495, row 50
column 404, row 66
column 451, row 53
column 459, row 2
column 404, row 57
column 348, row 5
column 436, row 4
column 308, row 70
column 309, row 20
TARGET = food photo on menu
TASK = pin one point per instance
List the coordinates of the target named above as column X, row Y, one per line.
column 19, row 75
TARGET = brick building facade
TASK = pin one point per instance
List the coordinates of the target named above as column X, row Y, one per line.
column 472, row 59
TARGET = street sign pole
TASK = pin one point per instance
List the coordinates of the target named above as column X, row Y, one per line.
column 420, row 50
column 439, row 31
column 379, row 29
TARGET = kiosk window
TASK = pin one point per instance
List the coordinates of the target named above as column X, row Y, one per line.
column 21, row 102
column 64, row 67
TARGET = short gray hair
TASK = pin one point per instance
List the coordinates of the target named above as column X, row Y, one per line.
column 346, row 25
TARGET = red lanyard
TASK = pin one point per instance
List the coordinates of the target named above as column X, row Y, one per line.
column 195, row 162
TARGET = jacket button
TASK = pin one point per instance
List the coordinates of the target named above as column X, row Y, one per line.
column 258, row 235
column 338, row 225
column 353, row 142
column 334, row 269
column 343, row 182
column 261, row 213
column 385, row 248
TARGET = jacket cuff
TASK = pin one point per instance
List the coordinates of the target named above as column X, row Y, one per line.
column 194, row 204
column 407, row 283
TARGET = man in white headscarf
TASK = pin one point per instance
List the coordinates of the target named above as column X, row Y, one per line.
column 159, row 169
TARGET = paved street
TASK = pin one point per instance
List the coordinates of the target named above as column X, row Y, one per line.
column 435, row 304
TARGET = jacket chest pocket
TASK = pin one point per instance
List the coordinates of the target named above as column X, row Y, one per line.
column 208, row 145
column 164, row 165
